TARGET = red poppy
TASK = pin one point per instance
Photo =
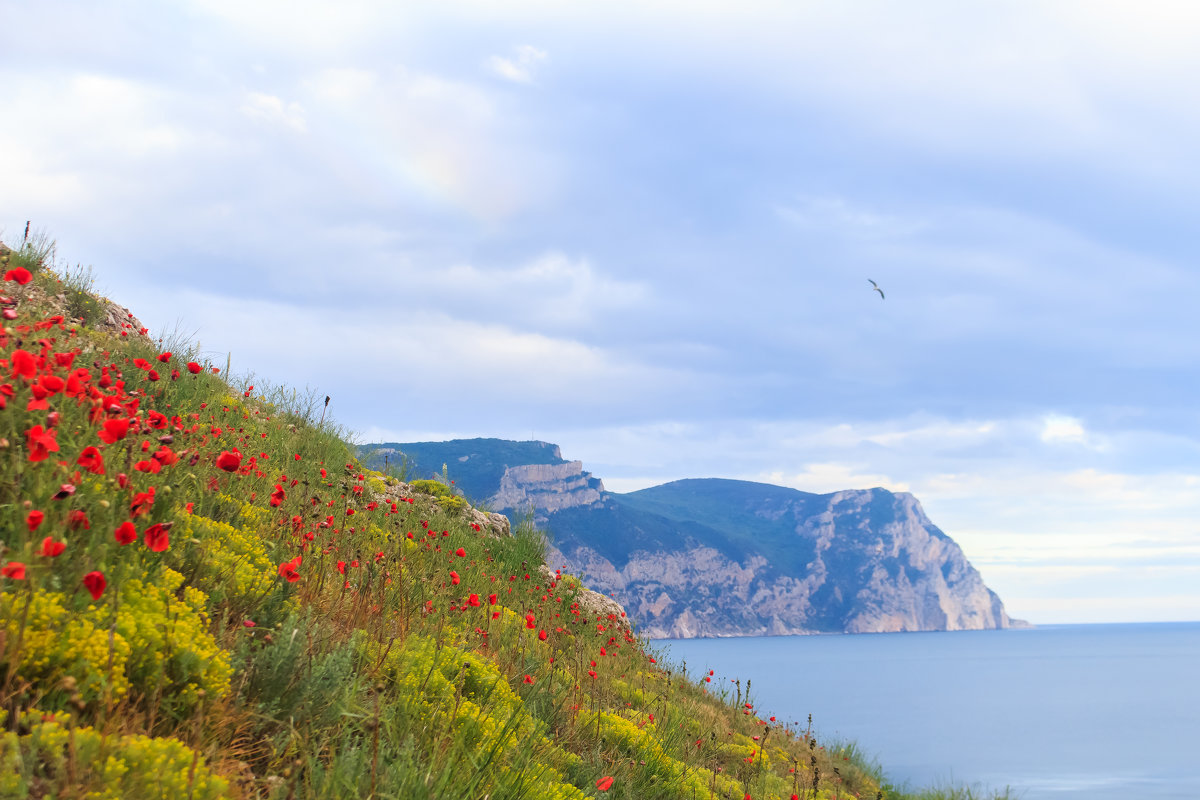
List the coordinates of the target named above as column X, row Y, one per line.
column 94, row 582
column 542, row 635
column 158, row 537
column 19, row 274
column 604, row 784
column 91, row 460
column 229, row 461
column 193, row 367
column 24, row 364
column 528, row 679
column 33, row 519
column 341, row 567
column 164, row 357
column 141, row 503
column 288, row 570
column 473, row 601
column 113, row 430
column 278, row 496
column 125, row 533
column 77, row 519
column 42, row 442
column 492, row 599
column 460, row 552
column 51, row 548
column 454, row 578
column 529, row 621
column 14, row 570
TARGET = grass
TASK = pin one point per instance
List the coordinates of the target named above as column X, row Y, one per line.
column 203, row 593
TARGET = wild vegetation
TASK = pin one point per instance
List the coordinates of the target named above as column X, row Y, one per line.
column 204, row 594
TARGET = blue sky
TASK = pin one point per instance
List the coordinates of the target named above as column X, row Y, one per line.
column 643, row 231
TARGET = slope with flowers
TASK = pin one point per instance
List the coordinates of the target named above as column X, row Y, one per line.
column 203, row 594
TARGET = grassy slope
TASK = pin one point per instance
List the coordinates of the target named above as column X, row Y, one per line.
column 283, row 622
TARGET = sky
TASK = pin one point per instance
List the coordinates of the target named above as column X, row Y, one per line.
column 644, row 231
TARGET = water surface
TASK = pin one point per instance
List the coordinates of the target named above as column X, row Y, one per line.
column 1057, row 712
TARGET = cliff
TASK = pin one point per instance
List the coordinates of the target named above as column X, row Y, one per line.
column 735, row 558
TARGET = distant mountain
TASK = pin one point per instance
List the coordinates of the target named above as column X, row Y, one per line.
column 711, row 557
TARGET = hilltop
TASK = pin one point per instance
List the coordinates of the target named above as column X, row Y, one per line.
column 714, row 557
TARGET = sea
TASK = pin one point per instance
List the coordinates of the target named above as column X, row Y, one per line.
column 1056, row 712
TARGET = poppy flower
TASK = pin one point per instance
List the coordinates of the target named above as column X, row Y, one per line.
column 33, row 519
column 474, row 601
column 461, row 552
column 14, row 570
column 604, row 784
column 288, row 570
column 125, row 533
column 193, row 367
column 77, row 519
column 24, row 364
column 19, row 274
column 248, row 623
column 542, row 635
column 529, row 621
column 528, row 679
column 51, row 548
column 492, row 599
column 141, row 503
column 158, row 537
column 42, row 442
column 94, row 582
column 229, row 461
column 91, row 460
column 278, row 496
column 113, row 430
column 454, row 578
column 164, row 357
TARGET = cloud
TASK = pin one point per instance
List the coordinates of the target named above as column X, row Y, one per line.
column 270, row 108
column 520, row 68
column 550, row 291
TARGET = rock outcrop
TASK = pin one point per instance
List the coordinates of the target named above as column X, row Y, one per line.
column 547, row 488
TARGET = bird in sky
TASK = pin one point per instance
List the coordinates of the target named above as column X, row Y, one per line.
column 876, row 285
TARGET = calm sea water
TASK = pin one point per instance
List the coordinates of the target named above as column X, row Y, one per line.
column 1057, row 712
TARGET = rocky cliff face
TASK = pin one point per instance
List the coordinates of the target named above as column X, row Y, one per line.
column 547, row 488
column 872, row 562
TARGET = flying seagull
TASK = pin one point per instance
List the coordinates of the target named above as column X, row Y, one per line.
column 876, row 285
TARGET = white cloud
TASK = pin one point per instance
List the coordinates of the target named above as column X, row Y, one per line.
column 269, row 108
column 1064, row 430
column 521, row 67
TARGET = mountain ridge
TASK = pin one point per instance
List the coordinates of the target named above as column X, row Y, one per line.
column 727, row 557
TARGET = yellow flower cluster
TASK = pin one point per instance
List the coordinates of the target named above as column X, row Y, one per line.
column 172, row 647
column 56, row 759
column 445, row 498
column 488, row 714
column 236, row 561
column 156, row 641
column 57, row 644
